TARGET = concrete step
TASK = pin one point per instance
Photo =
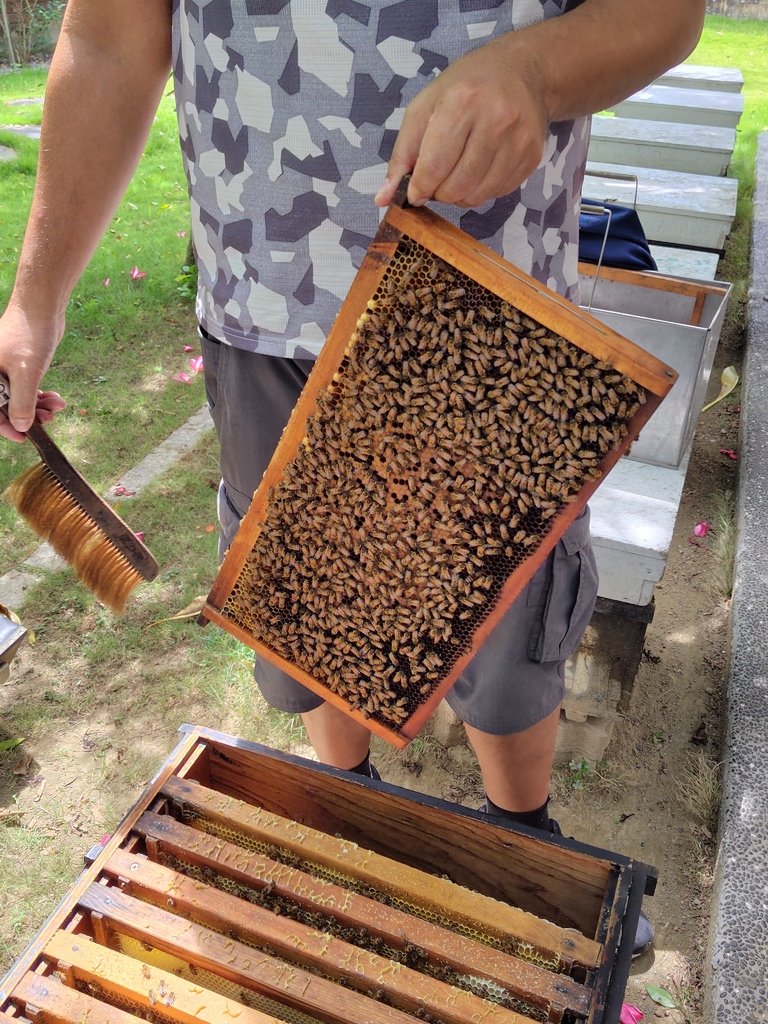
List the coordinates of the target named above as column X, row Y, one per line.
column 697, row 149
column 686, row 106
column 633, row 519
column 700, row 76
column 692, row 210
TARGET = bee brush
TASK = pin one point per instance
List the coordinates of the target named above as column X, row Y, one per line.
column 63, row 509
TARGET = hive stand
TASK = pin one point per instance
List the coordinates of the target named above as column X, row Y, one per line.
column 684, row 105
column 698, row 76
column 663, row 145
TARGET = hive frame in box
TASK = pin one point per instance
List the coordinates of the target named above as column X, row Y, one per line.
column 518, row 290
column 135, row 916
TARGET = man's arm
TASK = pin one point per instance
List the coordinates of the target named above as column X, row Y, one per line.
column 106, row 79
column 478, row 131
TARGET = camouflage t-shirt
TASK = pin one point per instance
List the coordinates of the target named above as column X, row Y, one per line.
column 288, row 111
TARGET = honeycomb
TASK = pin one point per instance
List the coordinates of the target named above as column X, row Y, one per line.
column 231, row 834
column 454, row 430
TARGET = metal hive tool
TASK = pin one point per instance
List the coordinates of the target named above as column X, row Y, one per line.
column 454, row 426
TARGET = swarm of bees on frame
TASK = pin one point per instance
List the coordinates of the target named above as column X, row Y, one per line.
column 454, row 429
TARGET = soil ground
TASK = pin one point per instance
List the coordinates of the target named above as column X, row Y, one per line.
column 653, row 797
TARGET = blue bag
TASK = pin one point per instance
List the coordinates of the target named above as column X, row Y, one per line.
column 626, row 245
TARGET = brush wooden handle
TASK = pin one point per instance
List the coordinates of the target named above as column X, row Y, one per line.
column 95, row 507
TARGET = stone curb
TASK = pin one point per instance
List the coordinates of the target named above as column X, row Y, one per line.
column 738, row 981
column 14, row 585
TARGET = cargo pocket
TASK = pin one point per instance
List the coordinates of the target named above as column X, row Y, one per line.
column 211, row 349
column 566, row 594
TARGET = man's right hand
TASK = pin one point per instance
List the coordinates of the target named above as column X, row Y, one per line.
column 26, row 350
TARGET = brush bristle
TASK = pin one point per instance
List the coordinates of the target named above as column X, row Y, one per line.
column 57, row 518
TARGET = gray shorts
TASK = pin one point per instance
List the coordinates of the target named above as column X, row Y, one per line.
column 516, row 679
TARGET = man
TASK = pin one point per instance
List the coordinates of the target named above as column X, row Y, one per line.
column 296, row 117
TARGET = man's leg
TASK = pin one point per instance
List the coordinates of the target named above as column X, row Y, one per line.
column 517, row 767
column 338, row 740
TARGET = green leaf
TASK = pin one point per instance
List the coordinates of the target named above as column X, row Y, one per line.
column 729, row 378
column 661, row 996
column 10, row 744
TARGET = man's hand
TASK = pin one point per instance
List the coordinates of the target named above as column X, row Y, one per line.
column 475, row 133
column 25, row 353
column 478, row 131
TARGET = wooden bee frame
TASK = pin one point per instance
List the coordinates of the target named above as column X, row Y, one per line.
column 455, row 424
column 250, row 885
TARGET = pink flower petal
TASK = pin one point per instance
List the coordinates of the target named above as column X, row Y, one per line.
column 181, row 234
column 730, row 454
column 122, row 492
column 630, row 1014
column 139, row 535
column 137, row 274
column 106, row 282
column 182, row 378
column 701, row 529
column 196, row 364
column 189, row 348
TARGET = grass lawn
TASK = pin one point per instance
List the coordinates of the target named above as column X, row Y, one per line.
column 727, row 42
column 124, row 338
column 99, row 699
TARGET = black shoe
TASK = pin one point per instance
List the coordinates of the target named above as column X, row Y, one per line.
column 374, row 773
column 644, row 933
column 644, row 936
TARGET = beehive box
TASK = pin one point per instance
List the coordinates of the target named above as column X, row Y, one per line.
column 679, row 320
column 455, row 424
column 256, row 887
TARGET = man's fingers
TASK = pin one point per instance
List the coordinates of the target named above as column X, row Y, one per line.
column 406, row 150
column 442, row 148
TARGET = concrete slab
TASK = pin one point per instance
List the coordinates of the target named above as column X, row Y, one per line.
column 701, row 76
column 686, row 106
column 633, row 519
column 698, row 149
column 692, row 210
column 15, row 586
column 699, row 266
column 28, row 131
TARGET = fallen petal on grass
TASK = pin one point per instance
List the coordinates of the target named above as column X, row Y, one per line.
column 730, row 453
column 120, row 491
column 192, row 611
column 139, row 535
column 701, row 529
column 107, row 282
column 630, row 1014
column 137, row 274
column 196, row 364
column 189, row 348
column 182, row 378
column 729, row 378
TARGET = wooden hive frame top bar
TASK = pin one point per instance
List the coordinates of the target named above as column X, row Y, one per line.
column 456, row 422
